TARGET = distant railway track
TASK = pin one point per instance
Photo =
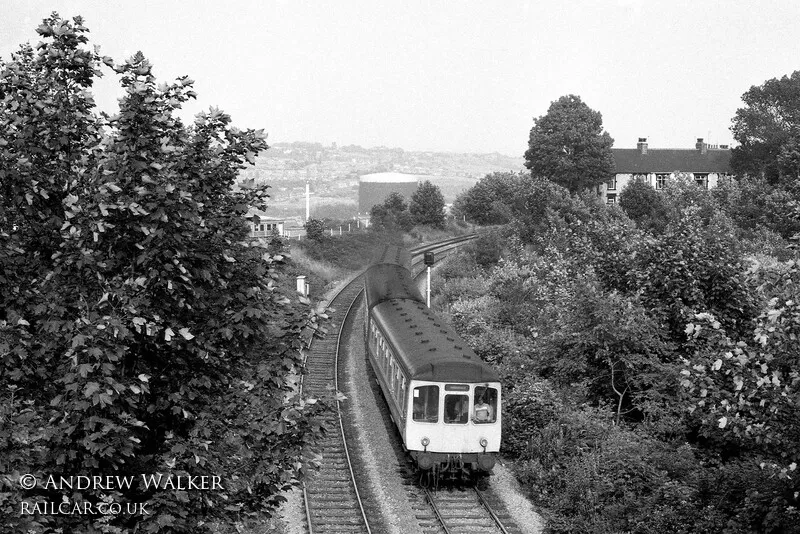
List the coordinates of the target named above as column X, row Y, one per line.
column 331, row 496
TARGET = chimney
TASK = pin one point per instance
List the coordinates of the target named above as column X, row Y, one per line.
column 641, row 146
column 701, row 146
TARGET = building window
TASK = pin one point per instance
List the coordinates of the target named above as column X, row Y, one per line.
column 611, row 199
column 661, row 180
column 701, row 179
column 611, row 185
column 640, row 178
column 260, row 227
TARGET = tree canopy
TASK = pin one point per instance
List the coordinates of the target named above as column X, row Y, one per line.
column 644, row 205
column 133, row 332
column 427, row 205
column 487, row 201
column 393, row 214
column 568, row 146
column 768, row 131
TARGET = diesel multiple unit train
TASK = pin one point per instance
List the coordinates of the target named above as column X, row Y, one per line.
column 443, row 399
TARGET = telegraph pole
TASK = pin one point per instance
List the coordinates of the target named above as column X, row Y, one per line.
column 308, row 201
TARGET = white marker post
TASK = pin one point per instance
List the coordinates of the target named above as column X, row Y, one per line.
column 429, row 259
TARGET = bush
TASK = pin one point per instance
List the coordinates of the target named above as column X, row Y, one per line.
column 529, row 405
column 644, row 205
column 315, row 230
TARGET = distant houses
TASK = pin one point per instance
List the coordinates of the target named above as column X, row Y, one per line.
column 705, row 164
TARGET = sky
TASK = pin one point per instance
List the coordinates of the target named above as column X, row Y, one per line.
column 456, row 75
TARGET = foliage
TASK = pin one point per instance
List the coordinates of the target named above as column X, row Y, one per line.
column 427, row 205
column 768, row 131
column 608, row 342
column 568, row 146
column 745, row 390
column 537, row 201
column 488, row 201
column 315, row 229
column 133, row 335
column 752, row 203
column 348, row 252
column 529, row 405
column 489, row 248
column 692, row 269
column 392, row 215
column 644, row 205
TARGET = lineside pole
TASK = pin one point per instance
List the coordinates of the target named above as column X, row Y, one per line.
column 428, row 292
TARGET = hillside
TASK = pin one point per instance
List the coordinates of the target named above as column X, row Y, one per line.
column 333, row 173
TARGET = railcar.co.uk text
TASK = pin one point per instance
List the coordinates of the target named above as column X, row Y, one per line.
column 157, row 481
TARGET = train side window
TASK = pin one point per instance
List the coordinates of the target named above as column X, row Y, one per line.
column 426, row 404
column 485, row 405
column 456, row 409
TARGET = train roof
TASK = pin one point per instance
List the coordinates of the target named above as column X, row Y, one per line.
column 393, row 255
column 390, row 279
column 427, row 346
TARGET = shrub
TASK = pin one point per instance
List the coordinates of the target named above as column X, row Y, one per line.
column 644, row 205
column 315, row 229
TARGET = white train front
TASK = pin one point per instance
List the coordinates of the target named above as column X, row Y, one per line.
column 444, row 400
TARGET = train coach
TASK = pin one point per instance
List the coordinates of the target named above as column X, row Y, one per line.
column 443, row 399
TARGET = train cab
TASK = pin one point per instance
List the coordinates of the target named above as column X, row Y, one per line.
column 453, row 422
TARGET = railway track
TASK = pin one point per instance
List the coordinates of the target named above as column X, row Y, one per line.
column 331, row 496
column 464, row 511
column 332, row 500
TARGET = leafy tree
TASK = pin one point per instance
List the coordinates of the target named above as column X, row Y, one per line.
column 392, row 215
column 568, row 146
column 768, row 131
column 644, row 205
column 315, row 229
column 488, row 201
column 132, row 336
column 427, row 205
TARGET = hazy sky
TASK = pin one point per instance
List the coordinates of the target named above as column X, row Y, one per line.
column 458, row 75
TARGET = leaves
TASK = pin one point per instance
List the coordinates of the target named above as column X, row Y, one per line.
column 126, row 227
column 568, row 145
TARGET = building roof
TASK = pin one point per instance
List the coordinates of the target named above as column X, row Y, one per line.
column 632, row 160
column 390, row 177
column 263, row 217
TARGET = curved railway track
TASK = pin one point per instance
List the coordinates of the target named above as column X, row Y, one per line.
column 332, row 500
column 331, row 495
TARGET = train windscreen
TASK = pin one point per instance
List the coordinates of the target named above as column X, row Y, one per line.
column 456, row 409
column 485, row 405
column 426, row 404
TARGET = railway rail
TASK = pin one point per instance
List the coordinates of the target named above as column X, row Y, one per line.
column 463, row 511
column 331, row 496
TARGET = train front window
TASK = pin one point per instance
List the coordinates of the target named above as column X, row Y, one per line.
column 426, row 404
column 485, row 405
column 456, row 409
